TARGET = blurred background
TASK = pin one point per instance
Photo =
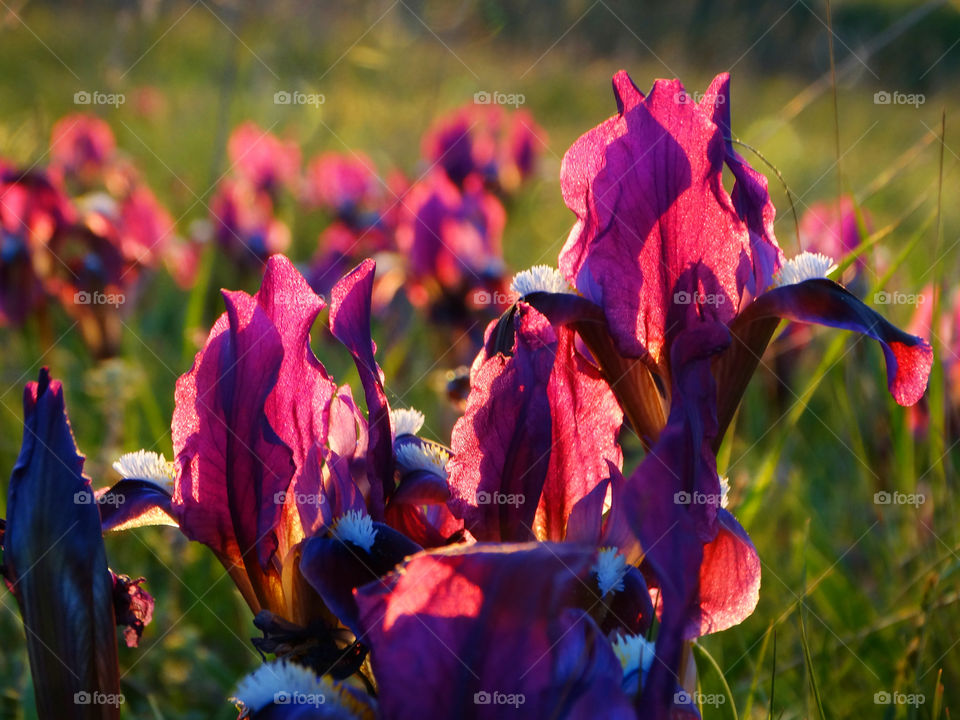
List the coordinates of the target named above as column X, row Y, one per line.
column 860, row 595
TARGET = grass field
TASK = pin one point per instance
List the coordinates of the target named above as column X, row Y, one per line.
column 857, row 598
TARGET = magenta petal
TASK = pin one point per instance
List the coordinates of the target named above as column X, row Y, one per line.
column 501, row 446
column 325, row 490
column 232, row 463
column 539, row 429
column 350, row 324
column 646, row 187
column 729, row 577
column 298, row 407
column 824, row 302
column 585, row 419
column 246, row 415
column 484, row 619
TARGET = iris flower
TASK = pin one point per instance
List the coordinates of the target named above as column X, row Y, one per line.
column 659, row 244
column 55, row 565
column 282, row 476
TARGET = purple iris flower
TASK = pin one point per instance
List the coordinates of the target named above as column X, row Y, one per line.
column 55, row 565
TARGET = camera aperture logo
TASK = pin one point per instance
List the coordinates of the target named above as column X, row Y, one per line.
column 682, row 497
column 285, row 697
column 86, row 497
column 514, row 700
column 295, row 97
column 98, row 698
column 884, row 497
column 682, row 297
column 898, row 298
column 695, row 98
column 499, row 498
column 85, row 97
column 898, row 698
column 298, row 498
column 682, row 697
column 83, row 297
column 482, row 97
column 485, row 297
column 885, row 97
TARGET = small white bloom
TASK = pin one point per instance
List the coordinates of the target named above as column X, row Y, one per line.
column 539, row 278
column 724, row 492
column 610, row 568
column 406, row 421
column 805, row 266
column 146, row 465
column 356, row 527
column 423, row 456
column 261, row 687
column 635, row 654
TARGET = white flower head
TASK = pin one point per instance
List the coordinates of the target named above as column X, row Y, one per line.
column 539, row 278
column 146, row 465
column 356, row 527
column 406, row 421
column 635, row 654
column 724, row 492
column 281, row 682
column 805, row 266
column 274, row 679
column 423, row 456
column 610, row 568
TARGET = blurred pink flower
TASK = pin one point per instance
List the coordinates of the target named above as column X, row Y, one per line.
column 342, row 183
column 81, row 146
column 262, row 158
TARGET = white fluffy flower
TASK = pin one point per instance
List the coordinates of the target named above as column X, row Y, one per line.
column 805, row 266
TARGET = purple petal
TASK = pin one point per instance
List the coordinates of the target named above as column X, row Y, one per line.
column 824, row 302
column 350, row 324
column 335, row 567
column 654, row 220
column 485, row 619
column 56, row 564
column 134, row 503
column 539, row 429
column 246, row 415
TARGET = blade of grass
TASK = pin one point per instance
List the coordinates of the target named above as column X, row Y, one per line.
column 773, row 676
column 755, row 680
column 935, row 391
column 804, row 641
column 703, row 653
